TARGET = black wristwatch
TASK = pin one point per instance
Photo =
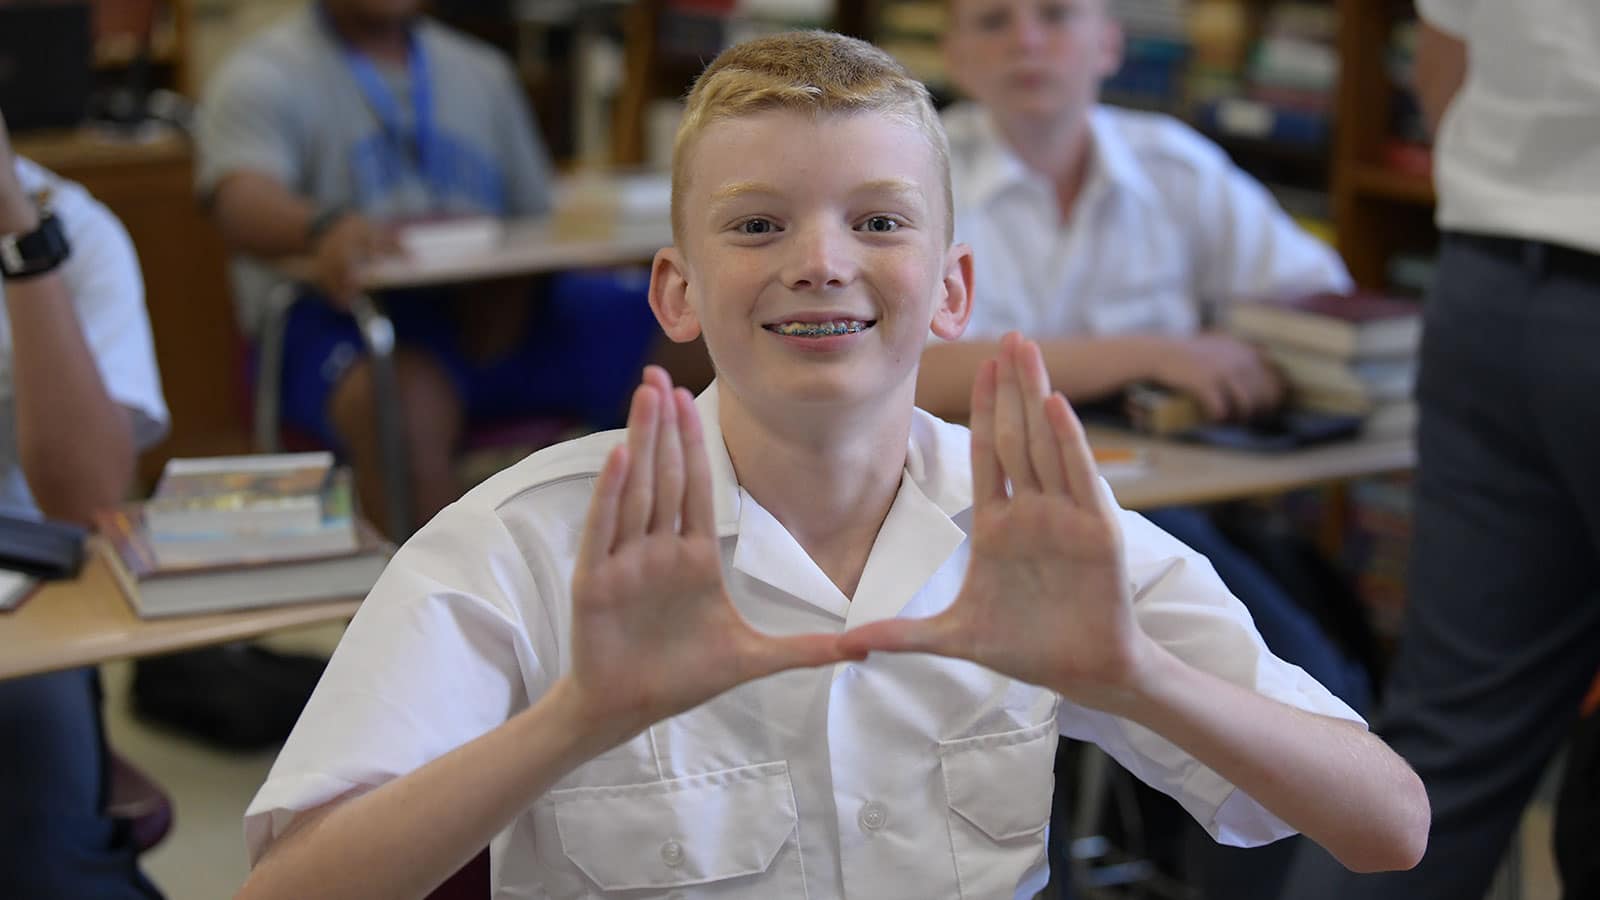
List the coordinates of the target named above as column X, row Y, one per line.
column 35, row 253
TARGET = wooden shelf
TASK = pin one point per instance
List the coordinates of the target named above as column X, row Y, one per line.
column 1375, row 181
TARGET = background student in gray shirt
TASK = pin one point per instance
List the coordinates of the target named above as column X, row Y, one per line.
column 315, row 138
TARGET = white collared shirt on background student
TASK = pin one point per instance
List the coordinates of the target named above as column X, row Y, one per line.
column 902, row 776
column 102, row 277
column 1165, row 232
column 1518, row 151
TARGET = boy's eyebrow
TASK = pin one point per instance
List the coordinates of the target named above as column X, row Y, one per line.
column 739, row 189
column 904, row 188
column 880, row 186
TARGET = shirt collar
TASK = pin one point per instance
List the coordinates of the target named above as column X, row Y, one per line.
column 919, row 534
column 938, row 462
column 724, row 484
column 1112, row 160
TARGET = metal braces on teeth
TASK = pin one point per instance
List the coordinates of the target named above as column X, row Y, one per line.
column 822, row 329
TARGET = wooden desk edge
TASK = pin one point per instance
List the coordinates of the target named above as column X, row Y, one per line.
column 1245, row 474
column 119, row 633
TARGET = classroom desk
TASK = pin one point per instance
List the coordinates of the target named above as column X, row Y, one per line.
column 589, row 228
column 531, row 247
column 86, row 621
column 1181, row 474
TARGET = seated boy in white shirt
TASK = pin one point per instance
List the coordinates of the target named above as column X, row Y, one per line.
column 662, row 662
column 1113, row 237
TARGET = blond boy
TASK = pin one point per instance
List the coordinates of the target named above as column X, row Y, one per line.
column 639, row 662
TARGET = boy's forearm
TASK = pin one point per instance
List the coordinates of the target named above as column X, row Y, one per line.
column 74, row 441
column 261, row 217
column 405, row 838
column 1330, row 780
column 1084, row 369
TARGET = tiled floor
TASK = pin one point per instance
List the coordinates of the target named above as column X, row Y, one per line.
column 203, row 858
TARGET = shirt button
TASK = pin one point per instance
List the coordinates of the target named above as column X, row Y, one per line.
column 672, row 853
column 873, row 816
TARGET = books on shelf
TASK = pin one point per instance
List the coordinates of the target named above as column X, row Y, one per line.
column 1345, row 327
column 260, row 494
column 238, row 575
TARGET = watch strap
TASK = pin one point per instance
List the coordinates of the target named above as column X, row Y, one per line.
column 33, row 254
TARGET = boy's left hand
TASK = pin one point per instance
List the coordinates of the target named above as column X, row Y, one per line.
column 1046, row 598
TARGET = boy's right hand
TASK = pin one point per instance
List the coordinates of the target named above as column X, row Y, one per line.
column 340, row 252
column 653, row 631
column 1228, row 377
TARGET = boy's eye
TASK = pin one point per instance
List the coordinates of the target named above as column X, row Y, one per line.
column 1056, row 13
column 757, row 226
column 880, row 225
column 992, row 20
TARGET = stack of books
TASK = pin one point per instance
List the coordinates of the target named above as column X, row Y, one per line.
column 237, row 532
column 1350, row 355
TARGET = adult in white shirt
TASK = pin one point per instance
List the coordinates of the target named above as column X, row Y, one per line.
column 1502, row 628
column 79, row 396
column 625, row 659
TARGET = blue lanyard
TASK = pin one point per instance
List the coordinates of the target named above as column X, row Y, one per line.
column 422, row 147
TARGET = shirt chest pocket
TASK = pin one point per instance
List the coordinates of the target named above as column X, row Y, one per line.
column 732, row 833
column 999, row 789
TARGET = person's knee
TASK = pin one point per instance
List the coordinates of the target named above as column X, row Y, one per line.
column 429, row 404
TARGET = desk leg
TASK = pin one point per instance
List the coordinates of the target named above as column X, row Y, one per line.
column 378, row 333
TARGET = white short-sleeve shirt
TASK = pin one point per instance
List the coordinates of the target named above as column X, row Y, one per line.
column 901, row 776
column 1165, row 233
column 102, row 277
column 1518, row 152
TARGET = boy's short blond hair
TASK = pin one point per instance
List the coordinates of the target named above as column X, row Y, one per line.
column 807, row 71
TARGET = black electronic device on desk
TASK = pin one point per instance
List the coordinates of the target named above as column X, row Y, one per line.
column 32, row 550
column 41, row 548
column 1163, row 413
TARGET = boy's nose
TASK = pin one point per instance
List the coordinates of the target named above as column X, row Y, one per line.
column 1027, row 32
column 820, row 260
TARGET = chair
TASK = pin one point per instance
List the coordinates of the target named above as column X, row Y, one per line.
column 470, row 882
column 377, row 333
column 378, row 338
column 1098, row 867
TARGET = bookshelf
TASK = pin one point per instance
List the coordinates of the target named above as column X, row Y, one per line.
column 1380, row 212
column 123, row 28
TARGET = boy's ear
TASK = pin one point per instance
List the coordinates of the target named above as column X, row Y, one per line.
column 669, row 296
column 1111, row 46
column 955, row 305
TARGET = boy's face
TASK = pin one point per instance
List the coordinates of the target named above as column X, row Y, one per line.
column 812, row 256
column 1032, row 59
